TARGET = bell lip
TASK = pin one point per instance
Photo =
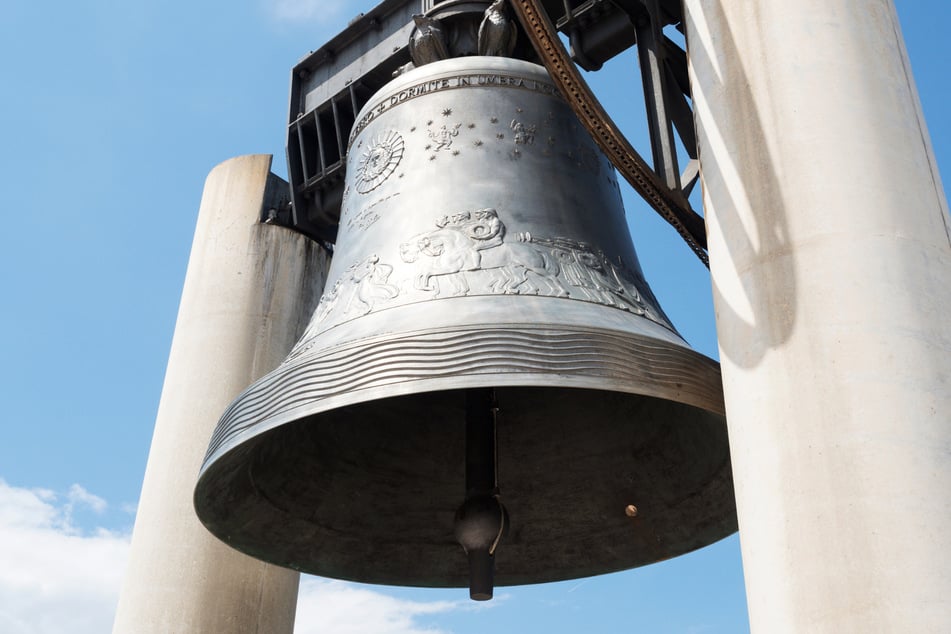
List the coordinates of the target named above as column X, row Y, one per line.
column 719, row 526
column 505, row 581
column 682, row 389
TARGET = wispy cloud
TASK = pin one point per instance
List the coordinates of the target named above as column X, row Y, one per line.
column 79, row 498
column 56, row 576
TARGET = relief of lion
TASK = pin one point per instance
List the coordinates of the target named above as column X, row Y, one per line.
column 447, row 253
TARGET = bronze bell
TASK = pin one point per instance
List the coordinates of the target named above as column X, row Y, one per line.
column 487, row 365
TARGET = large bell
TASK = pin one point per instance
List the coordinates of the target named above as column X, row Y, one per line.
column 484, row 284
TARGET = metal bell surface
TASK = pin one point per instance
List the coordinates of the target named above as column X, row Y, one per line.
column 482, row 245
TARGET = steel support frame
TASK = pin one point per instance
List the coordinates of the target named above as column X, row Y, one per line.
column 597, row 29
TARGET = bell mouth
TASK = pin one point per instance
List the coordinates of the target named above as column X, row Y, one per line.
column 364, row 483
column 369, row 492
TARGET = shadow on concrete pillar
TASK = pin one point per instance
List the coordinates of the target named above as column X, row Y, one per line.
column 830, row 255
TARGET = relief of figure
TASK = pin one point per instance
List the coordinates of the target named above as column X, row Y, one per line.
column 440, row 253
column 591, row 276
column 443, row 137
column 524, row 134
column 473, row 248
column 581, row 271
column 483, row 226
column 359, row 289
column 470, row 242
column 512, row 263
column 635, row 303
column 370, row 279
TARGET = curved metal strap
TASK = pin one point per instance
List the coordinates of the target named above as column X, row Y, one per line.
column 541, row 32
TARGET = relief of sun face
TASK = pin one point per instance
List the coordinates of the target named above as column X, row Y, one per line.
column 378, row 161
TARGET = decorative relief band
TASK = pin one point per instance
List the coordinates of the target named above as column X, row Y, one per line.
column 654, row 366
column 362, row 286
column 471, row 253
column 466, row 80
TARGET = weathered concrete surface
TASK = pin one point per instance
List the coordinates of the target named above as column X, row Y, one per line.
column 831, row 264
column 249, row 293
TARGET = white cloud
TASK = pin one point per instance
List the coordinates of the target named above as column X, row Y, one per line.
column 336, row 607
column 56, row 577
column 80, row 496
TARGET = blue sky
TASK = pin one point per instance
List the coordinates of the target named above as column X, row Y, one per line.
column 114, row 112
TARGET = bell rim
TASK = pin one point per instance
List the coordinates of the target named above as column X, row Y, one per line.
column 717, row 524
column 677, row 388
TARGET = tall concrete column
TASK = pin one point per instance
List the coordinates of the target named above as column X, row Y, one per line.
column 249, row 293
column 830, row 255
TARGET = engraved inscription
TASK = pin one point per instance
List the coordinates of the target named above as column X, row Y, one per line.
column 368, row 215
column 450, row 83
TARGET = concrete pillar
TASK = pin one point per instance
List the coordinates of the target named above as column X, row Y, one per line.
column 830, row 255
column 248, row 294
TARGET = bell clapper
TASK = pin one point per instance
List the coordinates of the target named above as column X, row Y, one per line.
column 481, row 520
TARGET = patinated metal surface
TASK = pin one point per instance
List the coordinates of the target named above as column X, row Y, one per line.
column 482, row 245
